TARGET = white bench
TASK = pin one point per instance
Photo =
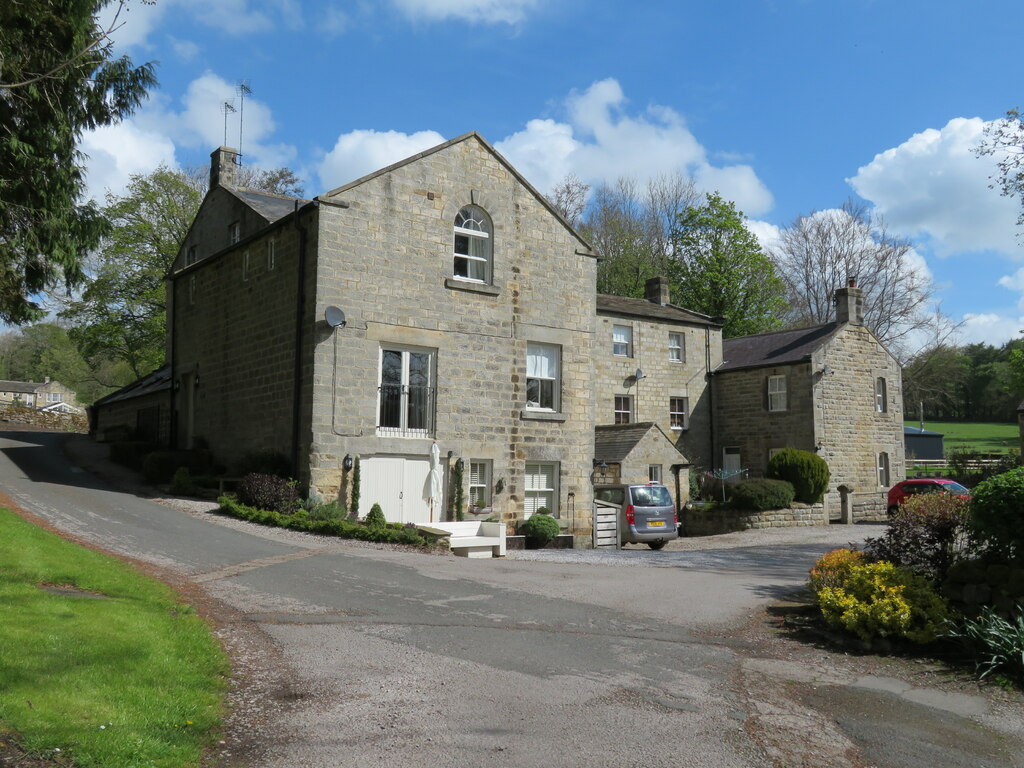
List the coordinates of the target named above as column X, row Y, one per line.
column 471, row 538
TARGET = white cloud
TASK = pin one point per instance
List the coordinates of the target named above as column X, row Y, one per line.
column 116, row 152
column 475, row 11
column 989, row 329
column 767, row 234
column 601, row 141
column 932, row 186
column 234, row 17
column 359, row 152
column 134, row 22
column 186, row 50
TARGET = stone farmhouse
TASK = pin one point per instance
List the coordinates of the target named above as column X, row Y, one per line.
column 442, row 306
column 46, row 394
column 832, row 388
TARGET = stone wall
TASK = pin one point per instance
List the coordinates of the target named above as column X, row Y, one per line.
column 387, row 260
column 870, row 507
column 64, row 422
column 654, row 449
column 704, row 521
column 664, row 378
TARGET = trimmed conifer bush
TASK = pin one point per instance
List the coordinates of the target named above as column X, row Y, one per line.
column 375, row 517
column 807, row 471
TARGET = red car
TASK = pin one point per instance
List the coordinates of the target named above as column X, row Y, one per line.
column 900, row 492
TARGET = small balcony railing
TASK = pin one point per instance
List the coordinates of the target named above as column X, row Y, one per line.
column 405, row 410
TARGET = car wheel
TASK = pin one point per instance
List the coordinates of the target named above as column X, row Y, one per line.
column 893, row 510
column 655, row 544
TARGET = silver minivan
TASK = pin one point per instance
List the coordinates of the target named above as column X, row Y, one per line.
column 646, row 513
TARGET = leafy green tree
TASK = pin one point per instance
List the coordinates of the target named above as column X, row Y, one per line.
column 122, row 313
column 58, row 78
column 719, row 269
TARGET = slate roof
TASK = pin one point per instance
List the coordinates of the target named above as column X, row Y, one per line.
column 28, row 387
column 157, row 381
column 777, row 348
column 614, row 442
column 621, row 305
column 269, row 206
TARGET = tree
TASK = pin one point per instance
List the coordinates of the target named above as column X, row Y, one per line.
column 818, row 254
column 569, row 198
column 122, row 313
column 1004, row 140
column 60, row 79
column 719, row 269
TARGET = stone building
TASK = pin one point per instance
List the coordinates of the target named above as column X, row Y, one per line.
column 640, row 453
column 832, row 389
column 39, row 394
column 416, row 305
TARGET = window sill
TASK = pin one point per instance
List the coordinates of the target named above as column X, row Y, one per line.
column 471, row 287
column 529, row 415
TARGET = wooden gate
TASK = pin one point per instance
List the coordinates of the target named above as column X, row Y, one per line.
column 606, row 525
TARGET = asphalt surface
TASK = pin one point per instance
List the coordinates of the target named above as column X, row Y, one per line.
column 367, row 656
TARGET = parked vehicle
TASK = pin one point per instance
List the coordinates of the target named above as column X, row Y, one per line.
column 900, row 492
column 646, row 513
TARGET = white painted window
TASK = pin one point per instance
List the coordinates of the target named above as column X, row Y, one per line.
column 883, row 470
column 479, row 483
column 543, row 362
column 881, row 404
column 676, row 348
column 623, row 409
column 541, row 488
column 679, row 412
column 406, row 392
column 654, row 473
column 54, row 397
column 473, row 245
column 776, row 393
column 622, row 341
column 234, row 232
column 271, row 254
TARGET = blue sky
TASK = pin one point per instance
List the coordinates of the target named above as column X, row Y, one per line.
column 785, row 106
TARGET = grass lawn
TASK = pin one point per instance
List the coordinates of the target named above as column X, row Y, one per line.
column 124, row 676
column 985, row 437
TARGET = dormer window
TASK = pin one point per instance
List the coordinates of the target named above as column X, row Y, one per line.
column 473, row 245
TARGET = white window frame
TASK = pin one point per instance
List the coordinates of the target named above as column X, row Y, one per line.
column 881, row 395
column 536, row 495
column 777, row 394
column 402, row 429
column 234, row 232
column 676, row 348
column 271, row 254
column 533, row 373
column 480, row 481
column 622, row 340
column 54, row 397
column 673, row 412
column 654, row 473
column 622, row 415
column 883, row 470
column 482, row 231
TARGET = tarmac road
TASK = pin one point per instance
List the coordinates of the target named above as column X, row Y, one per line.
column 352, row 655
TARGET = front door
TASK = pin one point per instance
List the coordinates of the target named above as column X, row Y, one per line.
column 400, row 484
column 731, row 465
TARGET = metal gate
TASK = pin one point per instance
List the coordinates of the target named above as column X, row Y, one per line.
column 606, row 525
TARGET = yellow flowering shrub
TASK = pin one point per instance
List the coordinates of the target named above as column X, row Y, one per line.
column 880, row 600
column 832, row 568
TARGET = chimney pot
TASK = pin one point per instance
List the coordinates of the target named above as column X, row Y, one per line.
column 850, row 304
column 224, row 167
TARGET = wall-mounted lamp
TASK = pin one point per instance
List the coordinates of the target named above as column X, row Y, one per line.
column 450, row 454
column 460, row 465
column 177, row 385
column 347, row 462
column 499, row 486
column 639, row 375
column 602, row 465
column 197, row 380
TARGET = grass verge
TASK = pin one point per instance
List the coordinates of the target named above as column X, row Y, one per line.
column 113, row 670
column 984, row 437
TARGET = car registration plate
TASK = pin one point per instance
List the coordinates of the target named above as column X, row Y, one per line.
column 656, row 524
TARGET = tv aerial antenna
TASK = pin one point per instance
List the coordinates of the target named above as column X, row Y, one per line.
column 228, row 108
column 243, row 89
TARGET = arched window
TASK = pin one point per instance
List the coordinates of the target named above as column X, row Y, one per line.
column 473, row 245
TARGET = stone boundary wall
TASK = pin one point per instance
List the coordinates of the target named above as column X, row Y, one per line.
column 699, row 521
column 64, row 422
column 870, row 507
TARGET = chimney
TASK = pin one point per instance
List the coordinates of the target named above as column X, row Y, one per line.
column 656, row 290
column 850, row 304
column 224, row 167
column 46, row 379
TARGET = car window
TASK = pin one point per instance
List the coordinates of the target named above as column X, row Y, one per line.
column 651, row 496
column 611, row 495
column 955, row 488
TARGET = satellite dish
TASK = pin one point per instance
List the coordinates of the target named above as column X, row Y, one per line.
column 335, row 317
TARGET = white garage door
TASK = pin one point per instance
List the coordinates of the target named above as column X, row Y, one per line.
column 400, row 484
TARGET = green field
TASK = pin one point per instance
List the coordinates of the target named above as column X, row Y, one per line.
column 983, row 437
column 100, row 665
